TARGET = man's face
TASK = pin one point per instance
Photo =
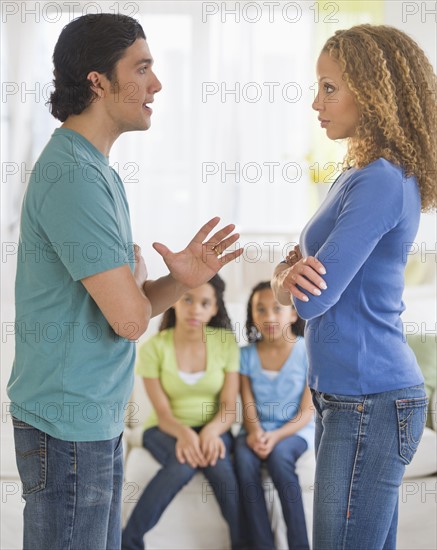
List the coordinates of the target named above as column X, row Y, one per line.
column 132, row 89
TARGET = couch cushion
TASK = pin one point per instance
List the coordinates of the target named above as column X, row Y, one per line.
column 192, row 520
column 194, row 515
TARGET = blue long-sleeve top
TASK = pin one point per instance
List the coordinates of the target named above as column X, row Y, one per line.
column 362, row 234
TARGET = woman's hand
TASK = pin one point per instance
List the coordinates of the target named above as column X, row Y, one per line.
column 293, row 256
column 211, row 445
column 188, row 449
column 305, row 272
column 201, row 259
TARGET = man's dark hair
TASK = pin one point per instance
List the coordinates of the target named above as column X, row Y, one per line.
column 89, row 43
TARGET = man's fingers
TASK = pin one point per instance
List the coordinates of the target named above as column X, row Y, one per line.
column 222, row 234
column 221, row 246
column 230, row 256
column 205, row 230
column 161, row 249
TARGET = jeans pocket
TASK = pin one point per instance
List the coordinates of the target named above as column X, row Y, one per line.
column 31, row 456
column 343, row 402
column 411, row 423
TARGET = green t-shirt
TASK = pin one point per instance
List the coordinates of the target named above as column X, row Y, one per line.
column 72, row 375
column 191, row 404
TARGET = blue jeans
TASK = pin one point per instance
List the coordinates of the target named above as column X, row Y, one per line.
column 72, row 491
column 281, row 465
column 363, row 443
column 169, row 481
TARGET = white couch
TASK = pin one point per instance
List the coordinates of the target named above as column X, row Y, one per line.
column 193, row 519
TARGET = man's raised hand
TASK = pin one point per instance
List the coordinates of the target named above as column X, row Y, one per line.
column 203, row 257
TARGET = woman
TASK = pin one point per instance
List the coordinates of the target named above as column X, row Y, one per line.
column 377, row 91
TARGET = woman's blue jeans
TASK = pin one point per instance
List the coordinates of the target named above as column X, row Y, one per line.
column 281, row 465
column 363, row 443
column 170, row 479
column 72, row 491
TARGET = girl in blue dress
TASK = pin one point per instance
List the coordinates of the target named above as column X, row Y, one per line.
column 277, row 412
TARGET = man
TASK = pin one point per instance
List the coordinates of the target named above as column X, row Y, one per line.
column 82, row 293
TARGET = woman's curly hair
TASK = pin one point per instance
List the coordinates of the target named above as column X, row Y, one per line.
column 94, row 42
column 252, row 332
column 395, row 88
column 220, row 320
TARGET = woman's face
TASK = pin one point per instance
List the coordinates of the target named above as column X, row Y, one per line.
column 196, row 307
column 272, row 319
column 335, row 103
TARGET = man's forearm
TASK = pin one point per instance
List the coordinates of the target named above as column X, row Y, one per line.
column 163, row 293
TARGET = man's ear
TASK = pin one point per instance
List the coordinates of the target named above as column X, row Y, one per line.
column 98, row 84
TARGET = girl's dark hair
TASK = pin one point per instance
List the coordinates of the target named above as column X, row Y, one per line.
column 252, row 332
column 220, row 320
column 89, row 43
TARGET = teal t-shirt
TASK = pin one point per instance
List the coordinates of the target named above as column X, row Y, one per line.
column 72, row 375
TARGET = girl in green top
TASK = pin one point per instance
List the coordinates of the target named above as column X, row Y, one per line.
column 190, row 371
